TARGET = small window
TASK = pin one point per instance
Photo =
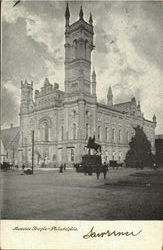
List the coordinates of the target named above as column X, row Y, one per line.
column 46, row 132
column 72, row 155
column 74, row 131
column 99, row 133
column 113, row 135
column 120, row 136
column 119, row 157
column 62, row 133
column 106, row 134
column 87, row 131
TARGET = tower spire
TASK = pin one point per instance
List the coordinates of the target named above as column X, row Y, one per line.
column 81, row 13
column 110, row 96
column 94, row 74
column 154, row 118
column 67, row 14
column 90, row 19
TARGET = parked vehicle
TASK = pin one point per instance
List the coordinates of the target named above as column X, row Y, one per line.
column 28, row 171
column 115, row 164
column 89, row 164
column 5, row 166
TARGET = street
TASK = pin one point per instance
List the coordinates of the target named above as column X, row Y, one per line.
column 51, row 195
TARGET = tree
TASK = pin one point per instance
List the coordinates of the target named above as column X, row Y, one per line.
column 139, row 154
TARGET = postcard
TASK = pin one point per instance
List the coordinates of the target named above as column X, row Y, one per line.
column 81, row 125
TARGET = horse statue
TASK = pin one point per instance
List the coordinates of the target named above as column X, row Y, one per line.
column 92, row 145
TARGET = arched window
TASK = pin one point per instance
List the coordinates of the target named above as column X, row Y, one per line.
column 113, row 134
column 106, row 134
column 119, row 157
column 74, row 131
column 44, row 128
column 99, row 133
column 74, row 113
column 87, row 127
column 120, row 136
column 46, row 131
column 128, row 137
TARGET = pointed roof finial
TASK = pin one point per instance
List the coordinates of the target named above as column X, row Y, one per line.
column 133, row 99
column 93, row 75
column 46, row 82
column 90, row 19
column 154, row 118
column 81, row 13
column 110, row 91
column 93, row 72
column 110, row 96
column 67, row 12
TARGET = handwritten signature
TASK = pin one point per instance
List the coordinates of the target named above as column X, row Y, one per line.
column 93, row 234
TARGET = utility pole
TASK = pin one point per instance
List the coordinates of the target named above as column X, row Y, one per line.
column 32, row 149
column 13, row 156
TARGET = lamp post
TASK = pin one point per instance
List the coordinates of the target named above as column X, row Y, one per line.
column 32, row 149
column 13, row 156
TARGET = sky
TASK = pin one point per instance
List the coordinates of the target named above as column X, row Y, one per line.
column 128, row 53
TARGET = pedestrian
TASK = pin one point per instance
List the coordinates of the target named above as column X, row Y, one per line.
column 98, row 172
column 61, row 168
column 23, row 167
column 141, row 165
column 64, row 166
column 105, row 170
column 155, row 166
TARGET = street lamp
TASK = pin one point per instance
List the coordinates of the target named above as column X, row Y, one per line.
column 32, row 149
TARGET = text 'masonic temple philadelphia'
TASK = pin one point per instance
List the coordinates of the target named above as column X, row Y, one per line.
column 63, row 121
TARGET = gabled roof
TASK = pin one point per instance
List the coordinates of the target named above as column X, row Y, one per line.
column 10, row 137
column 124, row 107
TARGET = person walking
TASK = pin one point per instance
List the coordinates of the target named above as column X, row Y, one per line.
column 155, row 166
column 105, row 170
column 98, row 172
column 23, row 167
column 61, row 168
column 64, row 166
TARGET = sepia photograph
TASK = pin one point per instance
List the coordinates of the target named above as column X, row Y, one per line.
column 81, row 110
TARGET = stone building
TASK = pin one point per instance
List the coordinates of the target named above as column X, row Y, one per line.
column 9, row 150
column 63, row 121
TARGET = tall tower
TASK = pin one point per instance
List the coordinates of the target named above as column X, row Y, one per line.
column 78, row 48
column 26, row 96
column 110, row 97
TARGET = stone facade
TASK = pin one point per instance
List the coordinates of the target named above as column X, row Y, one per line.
column 63, row 121
column 10, row 139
